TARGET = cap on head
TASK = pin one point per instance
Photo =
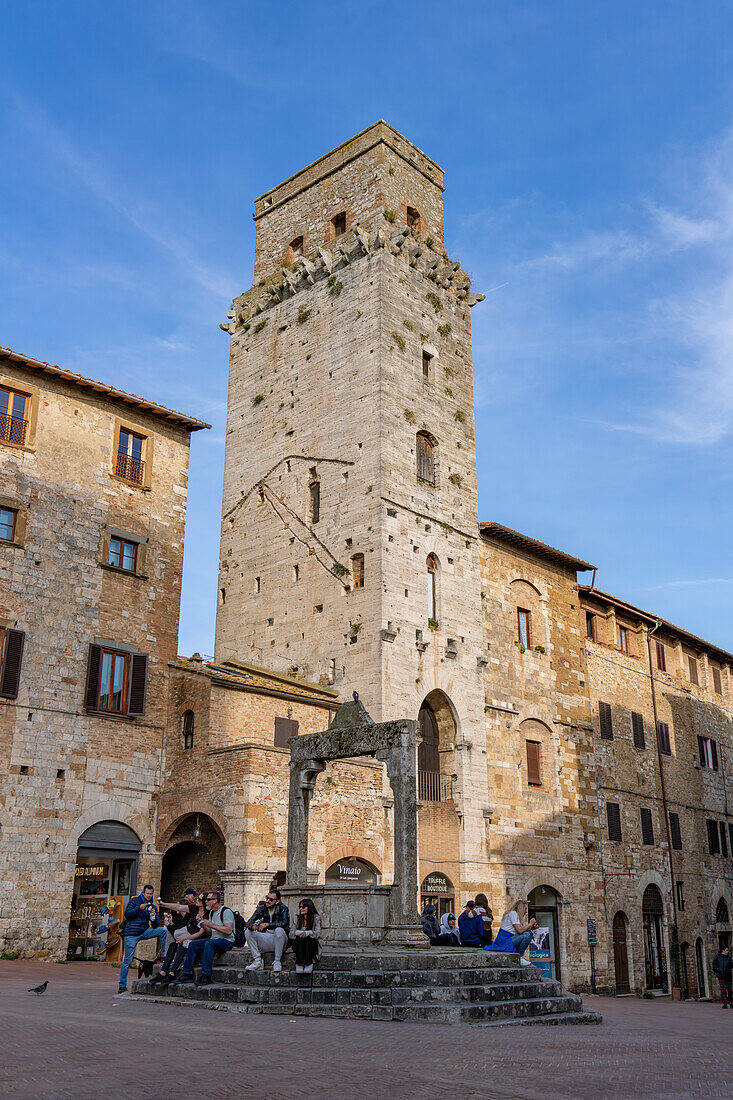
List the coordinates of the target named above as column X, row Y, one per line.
column 190, row 890
column 470, row 904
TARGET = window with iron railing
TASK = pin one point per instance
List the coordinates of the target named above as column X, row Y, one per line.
column 434, row 787
column 130, row 464
column 14, row 408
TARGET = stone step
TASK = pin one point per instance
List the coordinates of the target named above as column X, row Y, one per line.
column 481, row 1011
column 416, row 959
column 232, row 975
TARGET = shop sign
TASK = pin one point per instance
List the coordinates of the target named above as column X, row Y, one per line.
column 592, row 936
column 95, row 871
column 350, row 869
column 436, row 883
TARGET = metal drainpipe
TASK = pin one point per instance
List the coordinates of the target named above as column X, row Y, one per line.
column 661, row 769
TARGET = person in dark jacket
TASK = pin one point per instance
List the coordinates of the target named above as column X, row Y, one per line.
column 723, row 970
column 268, row 929
column 471, row 926
column 141, row 923
column 430, row 925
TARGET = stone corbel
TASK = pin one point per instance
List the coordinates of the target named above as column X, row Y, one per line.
column 473, row 298
column 343, row 254
column 398, row 239
column 380, row 241
column 415, row 254
column 363, row 240
column 326, row 259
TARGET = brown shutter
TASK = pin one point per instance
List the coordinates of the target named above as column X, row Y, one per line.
column 674, row 827
column 534, row 775
column 12, row 660
column 604, row 711
column 613, row 815
column 713, row 837
column 637, row 725
column 701, row 750
column 138, row 684
column 425, row 460
column 647, row 826
column 723, row 839
column 285, row 728
column 94, row 664
column 663, row 736
column 714, row 747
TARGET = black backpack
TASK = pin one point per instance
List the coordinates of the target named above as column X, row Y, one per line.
column 239, row 927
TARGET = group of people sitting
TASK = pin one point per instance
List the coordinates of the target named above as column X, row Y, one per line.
column 474, row 927
column 201, row 927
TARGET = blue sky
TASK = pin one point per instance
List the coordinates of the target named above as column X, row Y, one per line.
column 588, row 151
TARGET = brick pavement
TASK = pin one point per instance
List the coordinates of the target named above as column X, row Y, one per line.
column 80, row 1040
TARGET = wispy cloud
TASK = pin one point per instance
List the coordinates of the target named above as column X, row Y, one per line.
column 686, row 584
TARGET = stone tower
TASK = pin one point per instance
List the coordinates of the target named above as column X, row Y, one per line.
column 349, row 533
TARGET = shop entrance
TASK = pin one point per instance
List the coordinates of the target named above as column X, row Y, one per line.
column 437, row 889
column 654, row 953
column 105, row 878
column 543, row 906
column 620, row 954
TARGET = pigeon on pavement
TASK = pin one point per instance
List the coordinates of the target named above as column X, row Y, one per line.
column 39, row 989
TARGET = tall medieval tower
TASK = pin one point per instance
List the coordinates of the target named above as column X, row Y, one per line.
column 349, row 545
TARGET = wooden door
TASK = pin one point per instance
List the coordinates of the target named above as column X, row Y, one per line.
column 620, row 954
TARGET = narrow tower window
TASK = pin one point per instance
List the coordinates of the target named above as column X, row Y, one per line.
column 425, row 459
column 314, row 490
column 432, row 566
column 357, row 570
column 295, row 248
column 523, row 626
column 427, row 368
column 413, row 218
column 339, row 224
column 188, row 729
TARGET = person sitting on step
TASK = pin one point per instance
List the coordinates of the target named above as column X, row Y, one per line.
column 188, row 914
column 470, row 926
column 483, row 907
column 449, row 936
column 513, row 935
column 305, row 938
column 267, row 930
column 220, row 927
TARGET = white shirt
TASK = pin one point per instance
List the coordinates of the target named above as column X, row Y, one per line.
column 509, row 921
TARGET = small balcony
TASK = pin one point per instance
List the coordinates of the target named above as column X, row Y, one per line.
column 434, row 787
column 13, row 429
column 131, row 469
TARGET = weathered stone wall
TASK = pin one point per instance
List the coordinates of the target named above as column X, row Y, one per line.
column 64, row 769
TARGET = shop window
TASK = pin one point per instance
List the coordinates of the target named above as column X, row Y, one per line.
column 534, row 769
column 14, row 416
column 613, row 816
column 675, row 831
column 524, row 627
column 122, row 554
column 12, row 643
column 717, row 681
column 116, row 681
column 708, row 752
column 590, row 626
column 713, row 837
column 661, row 657
column 623, row 639
column 8, row 518
column 357, row 571
column 637, row 727
column 433, row 568
column 130, row 459
column 692, row 667
column 425, row 451
column 339, row 224
column 604, row 714
column 647, row 826
column 663, row 738
column 285, row 728
column 295, row 249
column 188, row 722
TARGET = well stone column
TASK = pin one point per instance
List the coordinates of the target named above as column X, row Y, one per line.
column 303, row 775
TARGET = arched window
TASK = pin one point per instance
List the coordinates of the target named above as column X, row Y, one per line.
column 428, row 759
column 413, row 218
column 188, row 729
column 721, row 912
column 357, row 571
column 295, row 248
column 425, row 451
column 432, row 569
column 339, row 224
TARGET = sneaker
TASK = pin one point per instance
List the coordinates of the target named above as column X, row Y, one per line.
column 308, row 969
column 159, row 979
column 256, row 965
column 525, row 962
column 184, row 978
column 121, row 990
column 169, row 980
column 277, row 966
column 203, row 979
column 298, row 968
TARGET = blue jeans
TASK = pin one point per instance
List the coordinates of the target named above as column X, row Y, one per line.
column 207, row 948
column 131, row 943
column 521, row 941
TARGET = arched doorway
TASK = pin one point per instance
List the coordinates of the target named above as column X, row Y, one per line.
column 438, row 732
column 105, row 878
column 620, row 954
column 722, row 923
column 702, row 988
column 353, row 870
column 437, row 889
column 654, row 953
column 543, row 906
column 195, row 854
column 685, row 969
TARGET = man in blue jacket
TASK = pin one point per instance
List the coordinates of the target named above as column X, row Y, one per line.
column 471, row 926
column 141, row 923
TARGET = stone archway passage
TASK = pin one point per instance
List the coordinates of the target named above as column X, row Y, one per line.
column 654, row 954
column 195, row 854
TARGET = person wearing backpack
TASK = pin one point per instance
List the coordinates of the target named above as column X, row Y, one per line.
column 220, row 926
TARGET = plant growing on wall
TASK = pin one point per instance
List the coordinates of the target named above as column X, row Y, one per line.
column 455, row 479
column 390, row 216
column 429, row 242
column 521, row 647
column 408, row 324
column 409, row 416
column 260, row 325
column 433, row 624
column 335, row 285
column 459, row 415
column 434, row 300
column 445, row 330
column 539, row 649
column 339, row 569
column 303, row 315
column 256, row 400
column 355, row 628
column 399, row 340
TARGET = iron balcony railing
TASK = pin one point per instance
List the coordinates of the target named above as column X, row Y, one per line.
column 13, row 429
column 132, row 469
column 434, row 787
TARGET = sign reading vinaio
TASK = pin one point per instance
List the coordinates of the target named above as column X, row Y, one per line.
column 351, row 869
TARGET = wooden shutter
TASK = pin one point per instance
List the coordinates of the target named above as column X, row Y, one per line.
column 723, row 839
column 613, row 814
column 425, row 460
column 701, row 750
column 604, row 711
column 713, row 837
column 12, row 660
column 637, row 725
column 663, row 736
column 647, row 826
column 94, row 664
column 661, row 657
column 534, row 773
column 285, row 728
column 714, row 749
column 674, row 828
column 138, row 684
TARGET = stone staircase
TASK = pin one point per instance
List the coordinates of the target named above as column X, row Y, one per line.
column 434, row 986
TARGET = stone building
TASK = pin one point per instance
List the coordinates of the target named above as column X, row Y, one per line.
column 92, row 510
